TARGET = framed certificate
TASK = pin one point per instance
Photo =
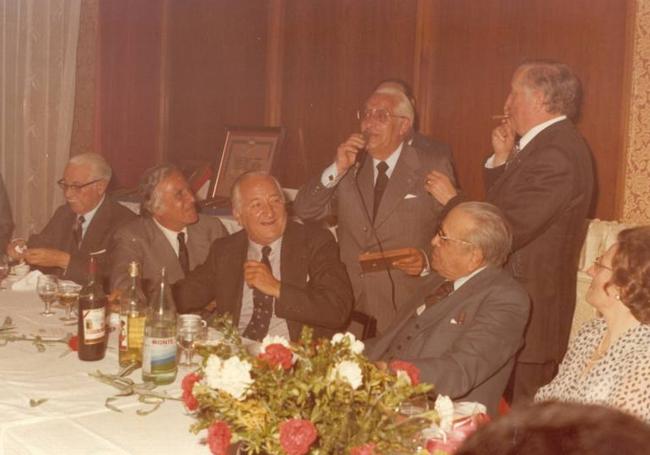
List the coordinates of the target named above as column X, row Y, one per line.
column 245, row 149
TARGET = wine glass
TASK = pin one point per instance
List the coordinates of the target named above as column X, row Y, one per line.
column 47, row 286
column 191, row 329
column 68, row 296
column 4, row 269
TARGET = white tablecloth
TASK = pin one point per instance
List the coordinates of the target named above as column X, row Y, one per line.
column 74, row 420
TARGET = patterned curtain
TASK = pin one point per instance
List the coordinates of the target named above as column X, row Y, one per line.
column 38, row 45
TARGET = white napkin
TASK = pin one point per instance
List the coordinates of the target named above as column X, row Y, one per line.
column 28, row 282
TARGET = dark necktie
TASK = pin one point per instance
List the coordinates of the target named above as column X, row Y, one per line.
column 513, row 155
column 380, row 186
column 77, row 230
column 258, row 327
column 441, row 292
column 183, row 255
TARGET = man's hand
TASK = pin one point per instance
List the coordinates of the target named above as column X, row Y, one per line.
column 47, row 257
column 440, row 187
column 503, row 141
column 16, row 249
column 346, row 153
column 258, row 276
column 413, row 264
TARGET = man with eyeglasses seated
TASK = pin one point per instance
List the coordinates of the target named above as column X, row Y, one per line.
column 463, row 334
column 83, row 225
column 380, row 202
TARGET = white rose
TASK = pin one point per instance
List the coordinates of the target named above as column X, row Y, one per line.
column 231, row 376
column 273, row 339
column 403, row 376
column 445, row 409
column 348, row 371
column 356, row 346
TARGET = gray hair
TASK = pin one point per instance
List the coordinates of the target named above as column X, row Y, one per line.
column 99, row 167
column 491, row 232
column 403, row 105
column 561, row 87
column 235, row 192
column 148, row 184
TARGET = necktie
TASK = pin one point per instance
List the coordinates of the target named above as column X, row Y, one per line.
column 77, row 230
column 258, row 327
column 380, row 186
column 441, row 292
column 183, row 255
column 513, row 155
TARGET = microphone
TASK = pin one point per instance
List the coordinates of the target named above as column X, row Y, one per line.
column 361, row 155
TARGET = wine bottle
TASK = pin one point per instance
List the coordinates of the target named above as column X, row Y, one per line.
column 132, row 319
column 159, row 351
column 91, row 327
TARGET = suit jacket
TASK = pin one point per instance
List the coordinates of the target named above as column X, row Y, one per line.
column 545, row 193
column 407, row 217
column 6, row 220
column 471, row 360
column 58, row 234
column 314, row 288
column 142, row 240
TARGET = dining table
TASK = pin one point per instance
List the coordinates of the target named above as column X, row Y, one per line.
column 50, row 403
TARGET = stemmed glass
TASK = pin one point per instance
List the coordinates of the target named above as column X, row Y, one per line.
column 47, row 286
column 4, row 269
column 191, row 329
column 68, row 296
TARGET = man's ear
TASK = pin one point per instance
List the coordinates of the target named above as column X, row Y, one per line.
column 477, row 260
column 237, row 214
column 405, row 127
column 102, row 185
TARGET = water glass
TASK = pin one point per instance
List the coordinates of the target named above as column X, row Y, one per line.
column 190, row 329
column 68, row 296
column 47, row 287
column 4, row 269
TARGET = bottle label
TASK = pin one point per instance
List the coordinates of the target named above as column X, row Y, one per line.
column 159, row 355
column 124, row 330
column 94, row 325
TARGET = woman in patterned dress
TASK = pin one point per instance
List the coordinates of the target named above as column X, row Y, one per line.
column 608, row 363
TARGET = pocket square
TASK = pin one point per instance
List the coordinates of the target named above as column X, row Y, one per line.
column 410, row 196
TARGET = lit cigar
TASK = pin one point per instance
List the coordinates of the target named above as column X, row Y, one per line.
column 500, row 116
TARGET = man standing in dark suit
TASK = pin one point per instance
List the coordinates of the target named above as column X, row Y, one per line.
column 83, row 225
column 169, row 233
column 275, row 275
column 380, row 202
column 464, row 334
column 543, row 182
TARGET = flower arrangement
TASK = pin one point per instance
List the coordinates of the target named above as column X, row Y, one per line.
column 311, row 397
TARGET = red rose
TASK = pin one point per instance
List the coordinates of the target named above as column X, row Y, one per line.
column 366, row 449
column 275, row 354
column 73, row 343
column 188, row 385
column 408, row 368
column 219, row 437
column 297, row 435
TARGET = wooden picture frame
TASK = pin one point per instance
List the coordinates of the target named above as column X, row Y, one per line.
column 245, row 149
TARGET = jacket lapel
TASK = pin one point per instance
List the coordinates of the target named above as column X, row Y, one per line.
column 401, row 181
column 230, row 288
column 97, row 228
column 293, row 261
column 164, row 250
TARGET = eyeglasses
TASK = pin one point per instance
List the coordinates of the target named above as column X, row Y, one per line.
column 598, row 265
column 74, row 187
column 380, row 115
column 442, row 236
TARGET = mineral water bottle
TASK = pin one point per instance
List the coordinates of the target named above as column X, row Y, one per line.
column 133, row 307
column 159, row 353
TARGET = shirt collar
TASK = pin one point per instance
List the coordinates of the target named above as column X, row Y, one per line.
column 88, row 216
column 256, row 248
column 464, row 279
column 535, row 130
column 391, row 161
column 170, row 235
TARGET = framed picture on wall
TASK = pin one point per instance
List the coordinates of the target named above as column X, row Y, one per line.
column 245, row 149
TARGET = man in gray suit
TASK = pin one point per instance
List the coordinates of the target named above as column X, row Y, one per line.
column 380, row 202
column 464, row 334
column 169, row 233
